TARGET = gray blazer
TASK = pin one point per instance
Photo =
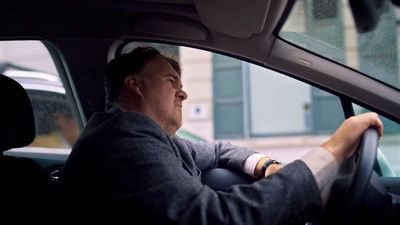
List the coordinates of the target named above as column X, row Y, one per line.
column 124, row 169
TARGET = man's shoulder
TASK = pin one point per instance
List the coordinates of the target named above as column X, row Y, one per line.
column 103, row 126
column 123, row 120
column 120, row 132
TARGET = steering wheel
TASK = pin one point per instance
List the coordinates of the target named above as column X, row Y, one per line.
column 353, row 180
column 221, row 179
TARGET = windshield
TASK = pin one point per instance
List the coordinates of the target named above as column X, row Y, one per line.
column 327, row 29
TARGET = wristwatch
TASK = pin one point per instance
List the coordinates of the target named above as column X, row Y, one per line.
column 267, row 163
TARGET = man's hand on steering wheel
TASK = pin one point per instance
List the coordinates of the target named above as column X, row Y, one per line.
column 353, row 136
column 344, row 141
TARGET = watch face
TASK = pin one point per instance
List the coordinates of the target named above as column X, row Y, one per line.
column 274, row 161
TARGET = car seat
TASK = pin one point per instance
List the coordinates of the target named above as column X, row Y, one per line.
column 25, row 188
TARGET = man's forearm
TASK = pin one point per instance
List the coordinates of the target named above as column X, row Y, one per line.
column 321, row 162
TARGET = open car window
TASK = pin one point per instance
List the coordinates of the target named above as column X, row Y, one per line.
column 30, row 64
column 255, row 107
column 245, row 104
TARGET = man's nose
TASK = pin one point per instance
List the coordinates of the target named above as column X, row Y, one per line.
column 182, row 94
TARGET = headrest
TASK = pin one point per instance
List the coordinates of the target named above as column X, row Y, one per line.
column 17, row 124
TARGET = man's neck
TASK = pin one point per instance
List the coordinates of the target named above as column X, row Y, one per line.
column 129, row 108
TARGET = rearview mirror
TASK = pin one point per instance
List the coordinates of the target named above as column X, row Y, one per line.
column 366, row 13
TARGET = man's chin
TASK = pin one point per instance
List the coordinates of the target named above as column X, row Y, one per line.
column 178, row 125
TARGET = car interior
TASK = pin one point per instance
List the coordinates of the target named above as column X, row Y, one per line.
column 81, row 37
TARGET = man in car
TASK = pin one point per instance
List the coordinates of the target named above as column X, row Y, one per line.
column 128, row 167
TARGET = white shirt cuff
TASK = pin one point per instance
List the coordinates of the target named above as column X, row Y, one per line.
column 251, row 163
column 324, row 167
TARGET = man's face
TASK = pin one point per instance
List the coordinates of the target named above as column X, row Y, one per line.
column 163, row 94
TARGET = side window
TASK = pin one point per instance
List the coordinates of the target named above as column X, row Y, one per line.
column 30, row 64
column 389, row 145
column 267, row 103
column 251, row 106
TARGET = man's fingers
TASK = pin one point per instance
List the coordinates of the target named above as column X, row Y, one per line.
column 374, row 121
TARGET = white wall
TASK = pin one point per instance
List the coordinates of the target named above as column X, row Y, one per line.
column 278, row 103
column 197, row 82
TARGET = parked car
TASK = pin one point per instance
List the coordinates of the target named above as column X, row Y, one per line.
column 276, row 76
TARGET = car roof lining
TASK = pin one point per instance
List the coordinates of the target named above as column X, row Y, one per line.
column 240, row 20
column 170, row 26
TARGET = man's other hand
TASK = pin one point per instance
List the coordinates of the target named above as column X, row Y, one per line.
column 344, row 141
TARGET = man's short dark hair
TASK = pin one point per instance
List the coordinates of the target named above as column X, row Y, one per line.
column 122, row 66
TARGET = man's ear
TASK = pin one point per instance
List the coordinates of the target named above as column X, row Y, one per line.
column 134, row 84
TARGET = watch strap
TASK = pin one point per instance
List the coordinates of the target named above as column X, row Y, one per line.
column 268, row 163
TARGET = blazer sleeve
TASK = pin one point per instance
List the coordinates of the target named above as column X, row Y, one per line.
column 156, row 180
column 215, row 154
